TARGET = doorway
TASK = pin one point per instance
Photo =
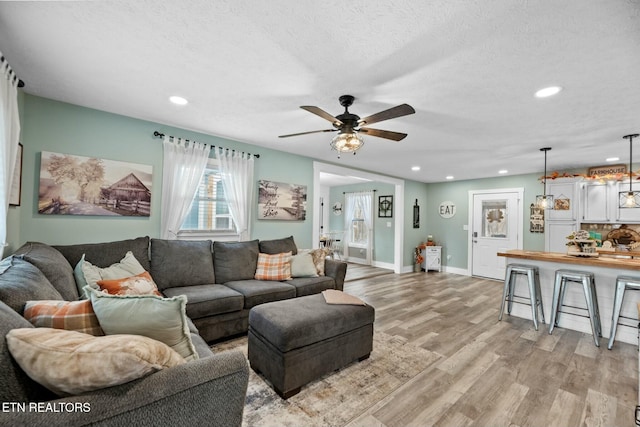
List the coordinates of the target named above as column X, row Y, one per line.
column 497, row 219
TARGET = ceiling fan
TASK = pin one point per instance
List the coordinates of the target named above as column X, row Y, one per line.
column 349, row 125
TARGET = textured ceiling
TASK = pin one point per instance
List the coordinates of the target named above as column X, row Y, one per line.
column 468, row 67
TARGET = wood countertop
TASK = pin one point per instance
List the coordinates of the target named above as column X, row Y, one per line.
column 601, row 261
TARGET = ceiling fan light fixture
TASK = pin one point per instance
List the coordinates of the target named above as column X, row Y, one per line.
column 347, row 142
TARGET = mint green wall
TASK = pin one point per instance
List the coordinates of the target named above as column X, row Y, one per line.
column 450, row 233
column 54, row 126
column 383, row 235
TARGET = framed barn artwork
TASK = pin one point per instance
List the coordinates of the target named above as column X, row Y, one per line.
column 76, row 185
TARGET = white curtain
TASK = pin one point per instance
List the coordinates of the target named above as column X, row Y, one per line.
column 236, row 170
column 183, row 166
column 9, row 135
column 364, row 201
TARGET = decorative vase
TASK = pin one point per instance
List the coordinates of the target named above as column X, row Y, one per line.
column 417, row 268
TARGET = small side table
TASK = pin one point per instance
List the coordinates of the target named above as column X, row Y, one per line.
column 432, row 258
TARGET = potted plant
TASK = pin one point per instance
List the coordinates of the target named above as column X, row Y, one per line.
column 418, row 258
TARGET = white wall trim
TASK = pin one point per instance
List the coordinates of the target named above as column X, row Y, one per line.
column 398, row 241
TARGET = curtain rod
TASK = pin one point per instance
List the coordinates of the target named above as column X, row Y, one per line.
column 361, row 191
column 161, row 135
column 15, row 76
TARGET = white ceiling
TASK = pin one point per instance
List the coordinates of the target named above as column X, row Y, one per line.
column 468, row 67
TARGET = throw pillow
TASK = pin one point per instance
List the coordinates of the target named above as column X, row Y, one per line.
column 274, row 267
column 69, row 315
column 319, row 255
column 140, row 284
column 88, row 274
column 302, row 266
column 69, row 362
column 163, row 319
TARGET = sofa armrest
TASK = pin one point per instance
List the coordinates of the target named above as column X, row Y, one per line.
column 208, row 391
column 337, row 270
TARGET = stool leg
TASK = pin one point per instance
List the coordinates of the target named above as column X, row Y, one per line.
column 555, row 302
column 586, row 284
column 595, row 301
column 617, row 306
column 505, row 291
column 539, row 295
column 512, row 288
column 533, row 297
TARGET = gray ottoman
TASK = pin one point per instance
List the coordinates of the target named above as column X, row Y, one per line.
column 295, row 341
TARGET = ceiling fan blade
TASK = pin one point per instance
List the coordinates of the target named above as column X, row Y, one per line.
column 391, row 113
column 320, row 112
column 395, row 136
column 306, row 133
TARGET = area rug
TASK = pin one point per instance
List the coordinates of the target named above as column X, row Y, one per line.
column 339, row 397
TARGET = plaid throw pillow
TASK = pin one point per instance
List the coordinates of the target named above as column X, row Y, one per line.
column 69, row 315
column 274, row 267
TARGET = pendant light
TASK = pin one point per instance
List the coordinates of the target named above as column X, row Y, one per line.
column 629, row 199
column 543, row 201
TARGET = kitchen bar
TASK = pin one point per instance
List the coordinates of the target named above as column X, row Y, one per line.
column 606, row 269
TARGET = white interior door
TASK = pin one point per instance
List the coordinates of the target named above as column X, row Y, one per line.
column 497, row 227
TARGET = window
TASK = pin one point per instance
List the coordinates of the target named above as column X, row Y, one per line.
column 209, row 209
column 358, row 231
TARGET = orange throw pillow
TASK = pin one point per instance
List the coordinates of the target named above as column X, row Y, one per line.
column 68, row 315
column 141, row 284
column 274, row 267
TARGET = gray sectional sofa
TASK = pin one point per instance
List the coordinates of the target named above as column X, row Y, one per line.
column 217, row 279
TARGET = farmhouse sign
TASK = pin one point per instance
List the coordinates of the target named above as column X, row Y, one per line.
column 607, row 170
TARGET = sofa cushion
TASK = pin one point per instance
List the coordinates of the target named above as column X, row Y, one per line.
column 208, row 300
column 69, row 315
column 181, row 263
column 259, row 291
column 15, row 384
column 311, row 285
column 21, row 281
column 105, row 254
column 67, row 362
column 88, row 274
column 278, row 246
column 273, row 267
column 235, row 260
column 53, row 265
column 163, row 319
column 140, row 284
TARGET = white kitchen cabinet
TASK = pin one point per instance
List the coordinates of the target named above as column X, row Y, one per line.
column 597, row 201
column 565, row 197
column 555, row 235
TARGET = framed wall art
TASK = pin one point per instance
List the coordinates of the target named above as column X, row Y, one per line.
column 385, row 206
column 15, row 194
column 76, row 185
column 281, row 201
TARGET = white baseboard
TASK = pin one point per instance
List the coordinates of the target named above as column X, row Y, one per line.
column 456, row 270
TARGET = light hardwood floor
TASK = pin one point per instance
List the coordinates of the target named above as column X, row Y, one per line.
column 490, row 373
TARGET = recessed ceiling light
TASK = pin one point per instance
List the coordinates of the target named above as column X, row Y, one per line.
column 613, row 159
column 449, row 177
column 415, row 168
column 178, row 100
column 503, row 171
column 548, row 91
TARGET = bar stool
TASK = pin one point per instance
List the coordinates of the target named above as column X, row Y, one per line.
column 622, row 284
column 535, row 296
column 588, row 281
